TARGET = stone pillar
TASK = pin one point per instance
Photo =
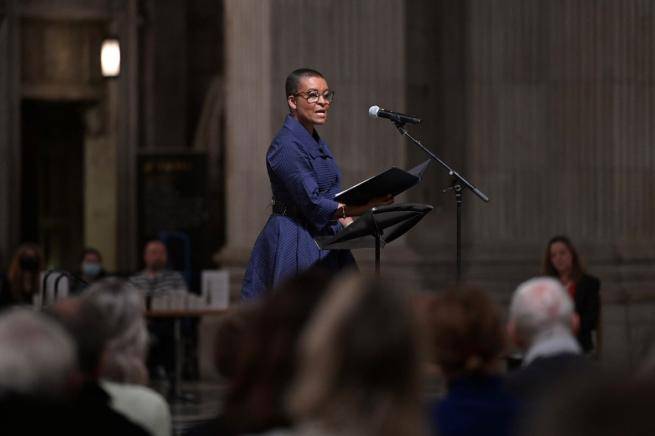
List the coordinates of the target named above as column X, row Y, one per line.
column 249, row 129
column 100, row 188
column 123, row 103
column 9, row 132
column 554, row 122
column 560, row 128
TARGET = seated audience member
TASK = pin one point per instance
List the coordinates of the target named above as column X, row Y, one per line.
column 561, row 261
column 468, row 342
column 37, row 366
column 37, row 356
column 156, row 280
column 92, row 404
column 229, row 337
column 91, row 269
column 123, row 370
column 359, row 366
column 22, row 281
column 542, row 323
column 260, row 360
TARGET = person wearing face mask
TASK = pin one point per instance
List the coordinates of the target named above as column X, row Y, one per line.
column 91, row 269
column 23, row 276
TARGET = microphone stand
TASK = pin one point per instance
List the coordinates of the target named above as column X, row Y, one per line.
column 457, row 186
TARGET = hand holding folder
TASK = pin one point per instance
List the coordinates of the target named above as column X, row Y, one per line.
column 391, row 182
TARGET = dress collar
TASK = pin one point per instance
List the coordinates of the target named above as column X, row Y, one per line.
column 299, row 131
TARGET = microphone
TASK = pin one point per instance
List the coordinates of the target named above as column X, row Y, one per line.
column 396, row 117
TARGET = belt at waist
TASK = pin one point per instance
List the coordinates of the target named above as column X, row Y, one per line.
column 289, row 210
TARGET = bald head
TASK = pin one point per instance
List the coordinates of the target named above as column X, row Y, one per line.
column 539, row 305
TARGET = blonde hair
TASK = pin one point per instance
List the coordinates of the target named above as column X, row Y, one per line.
column 359, row 369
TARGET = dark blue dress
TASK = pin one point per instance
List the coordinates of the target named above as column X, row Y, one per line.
column 304, row 177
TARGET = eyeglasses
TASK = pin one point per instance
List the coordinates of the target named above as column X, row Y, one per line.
column 312, row 96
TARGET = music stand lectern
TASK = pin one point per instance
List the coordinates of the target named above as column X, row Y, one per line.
column 376, row 228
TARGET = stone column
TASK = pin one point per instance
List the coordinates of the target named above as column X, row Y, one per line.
column 249, row 129
column 100, row 187
column 9, row 133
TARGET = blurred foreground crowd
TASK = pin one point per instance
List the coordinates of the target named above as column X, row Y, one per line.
column 335, row 355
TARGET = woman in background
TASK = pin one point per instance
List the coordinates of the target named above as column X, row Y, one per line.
column 23, row 276
column 561, row 261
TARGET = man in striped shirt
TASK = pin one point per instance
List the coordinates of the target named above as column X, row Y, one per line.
column 156, row 280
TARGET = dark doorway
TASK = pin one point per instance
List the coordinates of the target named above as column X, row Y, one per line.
column 52, row 203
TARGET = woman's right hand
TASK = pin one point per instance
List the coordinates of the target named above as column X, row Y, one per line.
column 374, row 202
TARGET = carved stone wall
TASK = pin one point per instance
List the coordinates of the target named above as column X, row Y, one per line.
column 552, row 115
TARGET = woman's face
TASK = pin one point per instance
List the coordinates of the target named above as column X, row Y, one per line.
column 310, row 114
column 561, row 258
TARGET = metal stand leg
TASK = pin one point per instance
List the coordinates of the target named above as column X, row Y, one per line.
column 459, row 199
column 179, row 356
column 377, row 255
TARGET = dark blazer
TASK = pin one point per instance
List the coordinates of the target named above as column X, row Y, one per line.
column 531, row 382
column 587, row 306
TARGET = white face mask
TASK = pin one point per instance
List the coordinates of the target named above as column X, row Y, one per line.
column 91, row 269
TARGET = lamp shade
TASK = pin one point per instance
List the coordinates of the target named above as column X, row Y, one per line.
column 110, row 57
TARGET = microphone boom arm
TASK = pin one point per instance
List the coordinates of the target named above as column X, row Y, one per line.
column 458, row 184
column 451, row 172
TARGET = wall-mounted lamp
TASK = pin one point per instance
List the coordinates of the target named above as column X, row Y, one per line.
column 110, row 57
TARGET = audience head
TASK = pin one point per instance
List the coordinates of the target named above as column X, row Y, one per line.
column 539, row 306
column 468, row 332
column 91, row 263
column 84, row 322
column 359, row 371
column 37, row 356
column 266, row 361
column 24, row 271
column 230, row 335
column 561, row 259
column 155, row 255
column 122, row 309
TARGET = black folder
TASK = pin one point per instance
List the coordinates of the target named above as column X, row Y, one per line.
column 392, row 181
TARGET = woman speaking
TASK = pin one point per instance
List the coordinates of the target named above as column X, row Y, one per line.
column 304, row 180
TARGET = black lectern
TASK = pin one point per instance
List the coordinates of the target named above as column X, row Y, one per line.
column 376, row 228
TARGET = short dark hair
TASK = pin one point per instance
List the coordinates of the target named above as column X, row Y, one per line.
column 90, row 250
column 293, row 79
